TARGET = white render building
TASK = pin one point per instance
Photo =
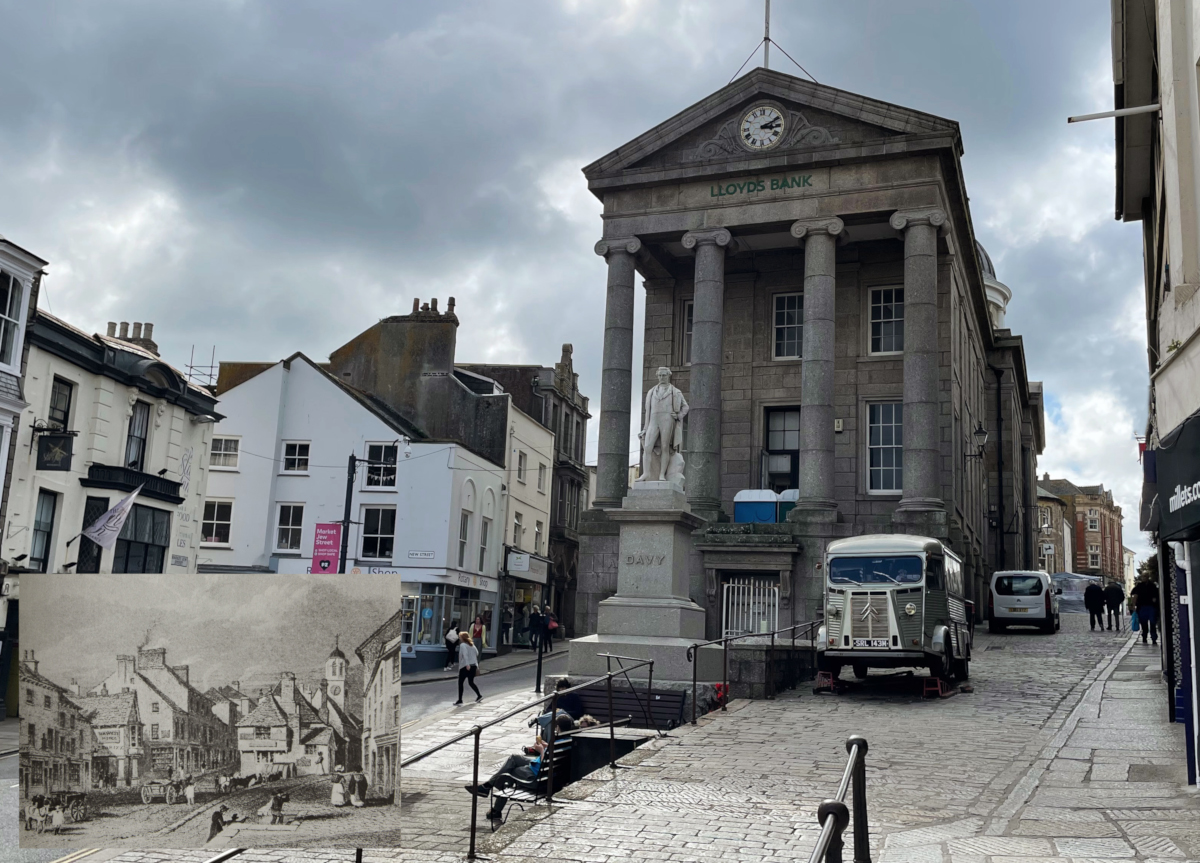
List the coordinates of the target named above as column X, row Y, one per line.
column 106, row 416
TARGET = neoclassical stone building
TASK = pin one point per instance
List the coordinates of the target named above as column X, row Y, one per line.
column 813, row 282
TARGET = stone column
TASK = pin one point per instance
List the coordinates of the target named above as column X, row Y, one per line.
column 819, row 237
column 703, row 457
column 616, row 382
column 922, row 452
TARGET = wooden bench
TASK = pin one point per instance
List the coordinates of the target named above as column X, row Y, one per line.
column 534, row 791
column 663, row 710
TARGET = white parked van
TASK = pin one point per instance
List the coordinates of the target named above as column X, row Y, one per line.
column 1023, row 598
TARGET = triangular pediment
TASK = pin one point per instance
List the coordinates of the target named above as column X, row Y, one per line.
column 817, row 118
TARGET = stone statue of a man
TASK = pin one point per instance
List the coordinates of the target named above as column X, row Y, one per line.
column 662, row 436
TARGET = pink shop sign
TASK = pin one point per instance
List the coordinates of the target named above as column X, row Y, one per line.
column 327, row 546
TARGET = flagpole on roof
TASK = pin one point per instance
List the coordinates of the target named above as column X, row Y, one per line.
column 767, row 38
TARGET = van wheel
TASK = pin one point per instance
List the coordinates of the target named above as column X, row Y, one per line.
column 860, row 670
column 995, row 625
column 962, row 668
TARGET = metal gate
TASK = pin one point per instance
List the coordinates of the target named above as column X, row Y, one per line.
column 751, row 605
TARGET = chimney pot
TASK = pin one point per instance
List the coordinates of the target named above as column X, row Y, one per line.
column 416, row 304
column 450, row 306
column 112, row 329
column 433, row 305
column 124, row 330
column 148, row 332
column 425, row 307
column 137, row 331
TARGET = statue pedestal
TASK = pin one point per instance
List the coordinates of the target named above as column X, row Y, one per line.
column 651, row 616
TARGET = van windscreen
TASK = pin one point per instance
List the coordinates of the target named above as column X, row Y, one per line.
column 1018, row 585
column 875, row 570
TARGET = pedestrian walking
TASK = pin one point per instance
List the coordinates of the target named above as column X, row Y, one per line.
column 468, row 665
column 219, row 822
column 1093, row 601
column 1145, row 600
column 189, row 791
column 275, row 807
column 358, row 791
column 1114, row 598
column 337, row 793
column 58, row 817
column 479, row 633
column 451, row 642
column 551, row 627
column 535, row 627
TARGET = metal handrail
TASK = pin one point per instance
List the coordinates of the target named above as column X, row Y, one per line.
column 811, row 626
column 833, row 815
column 548, row 754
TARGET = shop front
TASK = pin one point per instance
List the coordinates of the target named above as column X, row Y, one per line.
column 437, row 599
column 524, row 588
column 1173, row 477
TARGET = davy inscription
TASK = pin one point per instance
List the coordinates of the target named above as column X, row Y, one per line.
column 645, row 559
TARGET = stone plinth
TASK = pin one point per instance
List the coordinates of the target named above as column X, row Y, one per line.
column 652, row 615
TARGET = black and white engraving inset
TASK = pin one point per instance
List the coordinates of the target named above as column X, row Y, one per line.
column 210, row 711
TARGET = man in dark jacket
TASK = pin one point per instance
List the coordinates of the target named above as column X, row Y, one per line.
column 1145, row 600
column 1114, row 598
column 1093, row 601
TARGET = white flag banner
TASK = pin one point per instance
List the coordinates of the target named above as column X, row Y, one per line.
column 105, row 530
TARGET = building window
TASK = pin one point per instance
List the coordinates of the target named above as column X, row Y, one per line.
column 395, row 667
column 522, row 461
column 542, row 478
column 295, row 458
column 45, row 702
column 218, row 519
column 154, row 707
column 395, row 710
column 579, row 440
column 11, row 294
column 291, row 525
column 783, row 449
column 381, row 470
column 1093, row 520
column 685, row 342
column 223, row 453
column 142, row 544
column 464, row 530
column 885, row 447
column 262, row 732
column 1094, row 556
column 573, row 509
column 59, row 415
column 379, row 532
column 537, row 537
column 518, row 529
column 135, row 443
column 789, row 326
column 310, row 749
column 43, row 531
column 485, row 527
column 887, row 320
column 154, row 731
column 1044, row 514
column 29, row 696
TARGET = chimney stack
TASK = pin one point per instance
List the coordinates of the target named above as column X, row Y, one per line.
column 126, row 666
column 74, row 687
column 112, row 329
column 32, row 662
column 450, row 306
column 416, row 305
column 124, row 333
column 287, row 689
column 181, row 671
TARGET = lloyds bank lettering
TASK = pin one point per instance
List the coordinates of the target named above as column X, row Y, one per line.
column 797, row 181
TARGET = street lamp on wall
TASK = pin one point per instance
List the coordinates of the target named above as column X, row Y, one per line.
column 980, row 436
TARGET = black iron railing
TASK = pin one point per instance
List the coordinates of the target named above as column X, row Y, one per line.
column 797, row 630
column 127, row 479
column 833, row 816
column 548, row 755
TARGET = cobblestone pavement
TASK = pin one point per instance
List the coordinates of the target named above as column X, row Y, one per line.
column 1061, row 753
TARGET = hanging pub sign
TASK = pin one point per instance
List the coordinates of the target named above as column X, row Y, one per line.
column 54, row 451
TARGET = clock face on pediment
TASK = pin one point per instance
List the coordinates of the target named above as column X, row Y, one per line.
column 335, row 690
column 762, row 127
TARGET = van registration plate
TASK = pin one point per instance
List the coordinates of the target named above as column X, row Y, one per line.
column 1018, row 610
column 871, row 642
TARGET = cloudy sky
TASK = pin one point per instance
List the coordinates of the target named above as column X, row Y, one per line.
column 268, row 177
column 224, row 627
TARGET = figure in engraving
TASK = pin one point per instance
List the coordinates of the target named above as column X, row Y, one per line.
column 662, row 436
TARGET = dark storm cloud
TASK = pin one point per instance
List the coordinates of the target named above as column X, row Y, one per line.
column 271, row 177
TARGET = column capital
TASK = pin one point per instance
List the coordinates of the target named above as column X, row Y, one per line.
column 831, row 225
column 632, row 245
column 932, row 216
column 702, row 236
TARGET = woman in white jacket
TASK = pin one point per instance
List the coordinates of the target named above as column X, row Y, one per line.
column 468, row 665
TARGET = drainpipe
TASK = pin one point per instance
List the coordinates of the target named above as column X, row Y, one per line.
column 1000, row 559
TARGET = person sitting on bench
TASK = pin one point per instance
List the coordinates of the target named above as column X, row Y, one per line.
column 516, row 770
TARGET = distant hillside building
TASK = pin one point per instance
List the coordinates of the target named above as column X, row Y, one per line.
column 1055, row 537
column 1097, row 524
